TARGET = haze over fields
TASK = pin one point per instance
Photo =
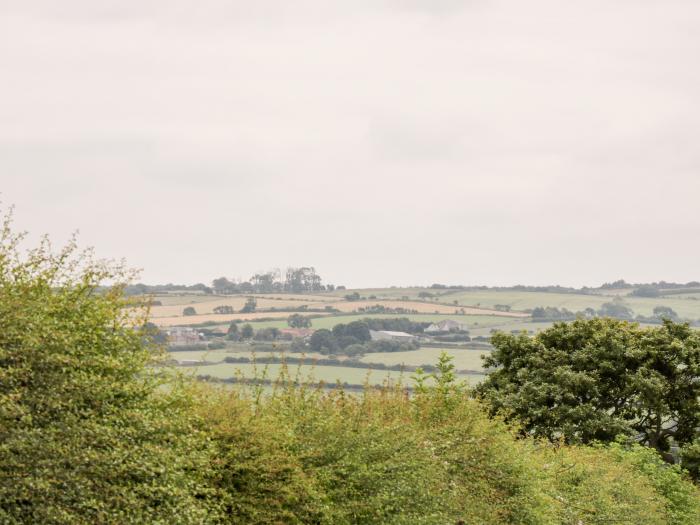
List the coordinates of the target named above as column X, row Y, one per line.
column 386, row 143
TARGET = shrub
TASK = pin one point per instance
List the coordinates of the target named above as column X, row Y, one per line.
column 86, row 436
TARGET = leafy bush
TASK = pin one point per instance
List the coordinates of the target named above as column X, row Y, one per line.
column 85, row 435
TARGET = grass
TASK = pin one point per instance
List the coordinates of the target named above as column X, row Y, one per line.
column 686, row 305
column 328, row 374
column 330, row 321
column 463, row 359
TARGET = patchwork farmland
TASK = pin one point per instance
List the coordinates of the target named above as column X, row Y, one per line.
column 480, row 311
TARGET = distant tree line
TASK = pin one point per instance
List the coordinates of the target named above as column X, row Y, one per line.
column 334, row 361
column 616, row 309
column 295, row 280
column 353, row 339
column 667, row 287
column 146, row 289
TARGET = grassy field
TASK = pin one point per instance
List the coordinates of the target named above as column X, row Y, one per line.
column 327, row 374
column 463, row 359
column 686, row 305
column 418, row 306
column 332, row 320
column 219, row 319
column 478, row 304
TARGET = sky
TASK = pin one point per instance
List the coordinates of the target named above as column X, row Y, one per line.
column 383, row 142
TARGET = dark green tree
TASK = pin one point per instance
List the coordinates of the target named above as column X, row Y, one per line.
column 247, row 331
column 223, row 309
column 189, row 310
column 323, row 342
column 616, row 309
column 358, row 330
column 592, row 380
column 223, row 286
column 232, row 332
column 250, row 305
column 665, row 312
column 298, row 321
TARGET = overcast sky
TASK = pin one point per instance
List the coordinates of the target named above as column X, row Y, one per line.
column 384, row 142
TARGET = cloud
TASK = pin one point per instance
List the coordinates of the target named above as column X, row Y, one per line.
column 384, row 142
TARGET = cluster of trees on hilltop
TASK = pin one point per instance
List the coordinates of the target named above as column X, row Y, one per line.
column 616, row 309
column 296, row 280
column 646, row 288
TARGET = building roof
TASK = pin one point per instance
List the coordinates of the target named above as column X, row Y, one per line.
column 394, row 334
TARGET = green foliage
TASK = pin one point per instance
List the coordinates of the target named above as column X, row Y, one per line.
column 232, row 332
column 223, row 309
column 358, row 330
column 592, row 380
column 247, row 331
column 189, row 310
column 616, row 309
column 90, row 432
column 646, row 291
column 85, row 435
column 250, row 305
column 298, row 321
column 690, row 459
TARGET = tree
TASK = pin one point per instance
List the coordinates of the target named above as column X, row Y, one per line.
column 189, row 310
column 247, row 331
column 616, row 309
column 267, row 334
column 86, row 434
column 592, row 380
column 323, row 342
column 267, row 282
column 223, row 286
column 223, row 309
column 232, row 332
column 665, row 312
column 304, row 279
column 357, row 329
column 155, row 334
column 298, row 321
column 646, row 291
column 250, row 305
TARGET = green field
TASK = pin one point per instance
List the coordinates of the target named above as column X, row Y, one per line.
column 328, row 374
column 331, row 321
column 211, row 356
column 463, row 359
column 686, row 305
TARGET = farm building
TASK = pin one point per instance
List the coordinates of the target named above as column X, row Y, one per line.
column 387, row 335
column 447, row 325
column 179, row 335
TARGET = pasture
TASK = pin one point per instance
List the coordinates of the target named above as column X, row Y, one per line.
column 330, row 321
column 687, row 305
column 479, row 313
column 309, row 373
column 463, row 359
